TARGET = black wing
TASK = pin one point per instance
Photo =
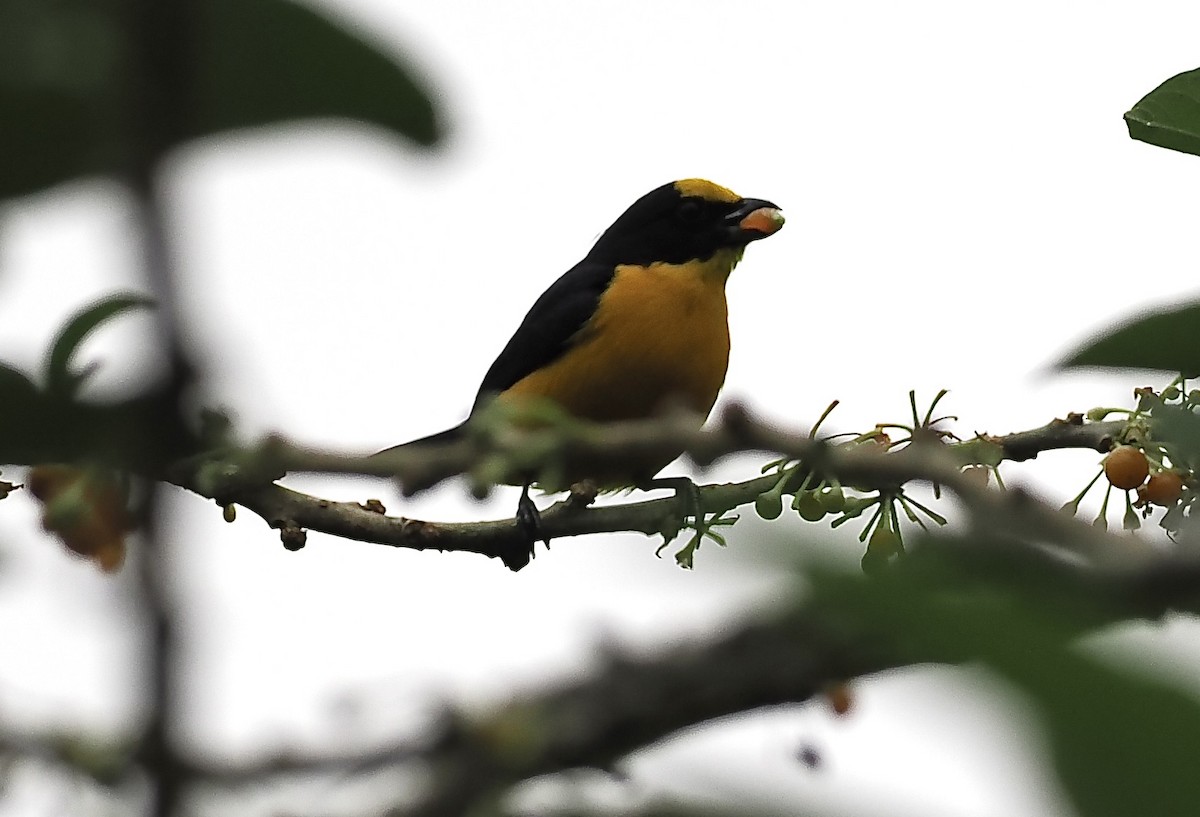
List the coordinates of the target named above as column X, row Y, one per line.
column 549, row 327
column 542, row 337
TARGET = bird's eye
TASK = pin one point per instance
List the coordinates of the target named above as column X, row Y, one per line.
column 689, row 211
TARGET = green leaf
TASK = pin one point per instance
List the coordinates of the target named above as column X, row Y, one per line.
column 59, row 69
column 60, row 380
column 50, row 136
column 20, row 409
column 1179, row 428
column 1167, row 340
column 1123, row 743
column 64, row 82
column 139, row 435
column 15, row 386
column 267, row 61
column 1169, row 116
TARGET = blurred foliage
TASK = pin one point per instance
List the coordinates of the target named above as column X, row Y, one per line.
column 87, row 509
column 1169, row 116
column 1122, row 742
column 66, row 80
column 1166, row 339
column 60, row 378
column 46, row 423
column 1179, row 425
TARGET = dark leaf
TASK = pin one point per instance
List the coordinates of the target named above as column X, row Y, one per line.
column 1167, row 340
column 61, row 382
column 60, row 65
column 1169, row 116
column 266, row 61
column 1179, row 428
column 15, row 387
column 19, row 399
column 139, row 435
column 49, row 137
column 1123, row 743
column 64, row 85
column 20, row 405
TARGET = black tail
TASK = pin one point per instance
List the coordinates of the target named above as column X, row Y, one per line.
column 514, row 550
column 441, row 438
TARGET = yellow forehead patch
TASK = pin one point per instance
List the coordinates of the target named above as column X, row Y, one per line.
column 706, row 190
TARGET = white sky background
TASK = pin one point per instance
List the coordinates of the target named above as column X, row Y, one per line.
column 963, row 206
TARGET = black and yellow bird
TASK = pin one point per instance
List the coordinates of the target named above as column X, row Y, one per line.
column 639, row 324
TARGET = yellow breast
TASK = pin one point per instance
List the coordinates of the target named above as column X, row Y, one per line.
column 660, row 334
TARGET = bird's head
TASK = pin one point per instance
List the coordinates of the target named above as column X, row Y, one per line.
column 684, row 221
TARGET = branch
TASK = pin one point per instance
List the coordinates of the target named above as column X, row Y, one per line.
column 244, row 477
column 1073, row 432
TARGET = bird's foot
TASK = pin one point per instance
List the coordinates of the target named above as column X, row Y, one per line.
column 529, row 525
column 687, row 494
column 529, row 518
column 693, row 516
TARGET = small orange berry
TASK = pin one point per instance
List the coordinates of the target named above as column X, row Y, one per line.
column 1164, row 488
column 1126, row 467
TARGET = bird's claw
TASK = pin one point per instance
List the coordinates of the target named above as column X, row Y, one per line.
column 529, row 525
column 529, row 519
column 687, row 495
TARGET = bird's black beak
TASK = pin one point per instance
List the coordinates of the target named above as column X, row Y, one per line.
column 753, row 219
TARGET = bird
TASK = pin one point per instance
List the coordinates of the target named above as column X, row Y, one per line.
column 639, row 325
